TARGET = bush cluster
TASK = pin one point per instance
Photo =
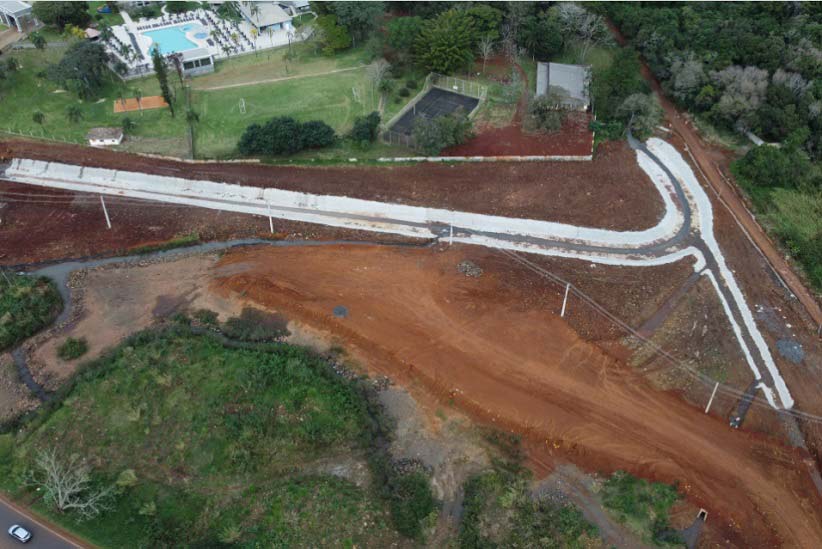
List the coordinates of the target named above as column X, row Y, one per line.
column 285, row 135
column 72, row 348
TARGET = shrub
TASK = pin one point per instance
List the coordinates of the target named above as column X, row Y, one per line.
column 365, row 128
column 404, row 92
column 206, row 317
column 72, row 348
column 411, row 502
column 432, row 135
column 316, row 134
column 26, row 305
column 284, row 135
column 255, row 325
column 542, row 115
column 411, row 84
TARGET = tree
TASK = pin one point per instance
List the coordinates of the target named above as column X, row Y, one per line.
column 60, row 14
column 280, row 135
column 402, row 33
column 359, row 18
column 589, row 28
column 486, row 21
column 82, row 68
column 176, row 7
column 74, row 114
column 334, row 36
column 366, row 129
column 316, row 133
column 641, row 113
column 38, row 117
column 446, row 43
column 138, row 95
column 541, row 35
column 543, row 114
column 486, row 50
column 128, row 125
column 432, row 135
column 38, row 40
column 161, row 72
column 377, row 72
column 67, row 484
column 687, row 77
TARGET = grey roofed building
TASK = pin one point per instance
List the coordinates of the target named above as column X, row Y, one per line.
column 569, row 82
column 267, row 14
column 16, row 14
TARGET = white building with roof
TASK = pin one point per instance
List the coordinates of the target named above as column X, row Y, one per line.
column 16, row 14
column 104, row 137
column 265, row 15
column 570, row 83
column 197, row 61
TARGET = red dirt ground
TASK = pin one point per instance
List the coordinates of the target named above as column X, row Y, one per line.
column 476, row 343
column 575, row 138
column 565, row 192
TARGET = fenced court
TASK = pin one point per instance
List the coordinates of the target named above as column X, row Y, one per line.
column 437, row 102
column 441, row 95
column 146, row 103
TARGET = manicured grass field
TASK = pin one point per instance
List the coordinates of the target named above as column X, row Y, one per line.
column 27, row 304
column 270, row 64
column 222, row 450
column 328, row 98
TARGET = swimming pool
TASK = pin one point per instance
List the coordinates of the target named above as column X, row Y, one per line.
column 173, row 39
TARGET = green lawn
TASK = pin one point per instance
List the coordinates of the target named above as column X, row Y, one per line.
column 222, row 450
column 110, row 19
column 315, row 96
column 328, row 98
column 156, row 130
column 270, row 64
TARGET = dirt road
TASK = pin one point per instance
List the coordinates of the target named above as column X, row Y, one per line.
column 476, row 343
column 730, row 198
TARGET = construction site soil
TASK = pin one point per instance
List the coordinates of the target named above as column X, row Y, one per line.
column 479, row 344
column 564, row 192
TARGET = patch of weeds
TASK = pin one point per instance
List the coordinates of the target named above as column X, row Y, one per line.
column 644, row 506
column 206, row 317
column 176, row 242
column 256, row 325
column 72, row 348
column 500, row 512
column 412, row 501
column 510, row 444
column 27, row 304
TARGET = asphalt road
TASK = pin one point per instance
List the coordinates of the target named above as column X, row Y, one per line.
column 43, row 536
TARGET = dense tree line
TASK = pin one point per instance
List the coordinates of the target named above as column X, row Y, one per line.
column 746, row 66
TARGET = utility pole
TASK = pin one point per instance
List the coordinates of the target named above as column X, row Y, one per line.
column 105, row 211
column 565, row 300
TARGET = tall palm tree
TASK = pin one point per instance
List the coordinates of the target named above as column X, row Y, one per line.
column 138, row 94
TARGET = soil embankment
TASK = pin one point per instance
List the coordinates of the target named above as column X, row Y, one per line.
column 474, row 342
column 610, row 192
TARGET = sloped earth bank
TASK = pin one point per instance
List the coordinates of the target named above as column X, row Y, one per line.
column 476, row 343
column 563, row 192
